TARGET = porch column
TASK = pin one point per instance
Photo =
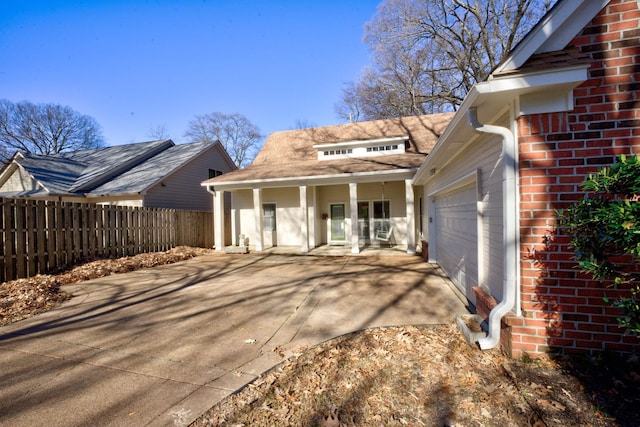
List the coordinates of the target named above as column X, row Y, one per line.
column 218, row 220
column 312, row 219
column 304, row 220
column 411, row 217
column 257, row 213
column 353, row 203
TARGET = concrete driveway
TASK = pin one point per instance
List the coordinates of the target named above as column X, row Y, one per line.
column 163, row 345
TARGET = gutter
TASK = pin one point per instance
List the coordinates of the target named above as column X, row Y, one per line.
column 509, row 213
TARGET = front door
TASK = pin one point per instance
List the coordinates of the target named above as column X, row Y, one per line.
column 363, row 223
column 337, row 222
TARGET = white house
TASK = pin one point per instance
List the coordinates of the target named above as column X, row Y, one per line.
column 347, row 185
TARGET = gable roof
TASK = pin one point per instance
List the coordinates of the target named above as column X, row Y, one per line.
column 147, row 174
column 291, row 155
column 118, row 170
column 553, row 32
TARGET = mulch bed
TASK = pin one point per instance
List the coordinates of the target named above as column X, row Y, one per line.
column 414, row 376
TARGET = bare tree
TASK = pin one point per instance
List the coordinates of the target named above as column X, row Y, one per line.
column 304, row 124
column 158, row 132
column 46, row 128
column 427, row 54
column 240, row 138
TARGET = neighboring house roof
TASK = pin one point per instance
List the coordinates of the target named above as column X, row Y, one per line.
column 293, row 154
column 143, row 176
column 118, row 170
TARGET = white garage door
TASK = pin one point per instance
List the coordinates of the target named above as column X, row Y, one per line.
column 457, row 236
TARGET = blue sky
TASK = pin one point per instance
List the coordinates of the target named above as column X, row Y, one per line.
column 135, row 65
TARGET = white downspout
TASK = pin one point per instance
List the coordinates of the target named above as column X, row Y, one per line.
column 509, row 213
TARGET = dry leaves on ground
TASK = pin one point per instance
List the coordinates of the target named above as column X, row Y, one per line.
column 389, row 376
column 409, row 376
column 23, row 298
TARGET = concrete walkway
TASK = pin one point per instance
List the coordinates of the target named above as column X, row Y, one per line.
column 161, row 346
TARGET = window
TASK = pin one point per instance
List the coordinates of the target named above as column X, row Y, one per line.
column 381, row 216
column 269, row 216
column 213, row 173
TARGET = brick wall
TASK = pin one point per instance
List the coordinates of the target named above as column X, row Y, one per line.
column 563, row 311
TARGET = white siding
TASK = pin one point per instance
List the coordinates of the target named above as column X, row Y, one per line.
column 288, row 214
column 19, row 181
column 242, row 216
column 484, row 155
column 182, row 189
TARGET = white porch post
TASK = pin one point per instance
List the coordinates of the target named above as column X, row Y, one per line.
column 411, row 217
column 257, row 212
column 304, row 220
column 353, row 203
column 218, row 220
column 312, row 219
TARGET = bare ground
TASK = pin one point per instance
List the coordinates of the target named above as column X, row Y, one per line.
column 413, row 375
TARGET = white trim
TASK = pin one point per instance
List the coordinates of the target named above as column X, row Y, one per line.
column 257, row 217
column 304, row 223
column 410, row 211
column 310, row 180
column 353, row 215
column 330, row 240
column 361, row 143
column 451, row 186
column 554, row 31
column 492, row 96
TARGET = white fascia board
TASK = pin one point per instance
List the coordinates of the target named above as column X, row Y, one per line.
column 6, row 173
column 458, row 182
column 538, row 79
column 421, row 175
column 362, row 143
column 343, row 178
column 556, row 29
column 508, row 87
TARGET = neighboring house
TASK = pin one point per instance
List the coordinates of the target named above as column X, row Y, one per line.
column 565, row 102
column 148, row 174
column 339, row 185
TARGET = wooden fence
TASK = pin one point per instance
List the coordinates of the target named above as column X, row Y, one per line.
column 38, row 236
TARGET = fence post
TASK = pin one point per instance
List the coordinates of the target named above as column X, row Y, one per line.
column 32, row 241
column 41, row 235
column 21, row 240
column 9, row 238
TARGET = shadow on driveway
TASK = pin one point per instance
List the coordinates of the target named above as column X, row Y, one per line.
column 161, row 346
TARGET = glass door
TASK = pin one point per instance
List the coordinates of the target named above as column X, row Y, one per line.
column 337, row 222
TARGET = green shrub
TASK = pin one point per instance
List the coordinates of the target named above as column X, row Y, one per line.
column 605, row 231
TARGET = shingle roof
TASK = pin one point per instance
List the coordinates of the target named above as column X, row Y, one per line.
column 121, row 169
column 56, row 174
column 145, row 175
column 106, row 163
column 556, row 59
column 289, row 154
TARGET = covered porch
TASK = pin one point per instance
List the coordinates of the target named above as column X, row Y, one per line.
column 363, row 214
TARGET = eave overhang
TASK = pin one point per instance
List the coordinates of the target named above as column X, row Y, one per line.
column 540, row 91
column 297, row 181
